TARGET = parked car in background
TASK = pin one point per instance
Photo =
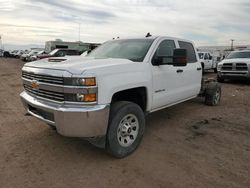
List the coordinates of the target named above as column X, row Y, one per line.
column 34, row 56
column 18, row 54
column 27, row 56
column 59, row 53
column 13, row 53
column 207, row 61
column 6, row 54
column 235, row 66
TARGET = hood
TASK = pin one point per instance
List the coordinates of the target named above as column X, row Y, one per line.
column 76, row 64
column 237, row 60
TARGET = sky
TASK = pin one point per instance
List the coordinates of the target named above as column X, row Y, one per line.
column 206, row 22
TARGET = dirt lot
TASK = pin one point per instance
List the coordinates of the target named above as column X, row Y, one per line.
column 188, row 145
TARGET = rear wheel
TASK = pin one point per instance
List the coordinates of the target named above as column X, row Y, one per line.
column 126, row 127
column 215, row 70
column 213, row 94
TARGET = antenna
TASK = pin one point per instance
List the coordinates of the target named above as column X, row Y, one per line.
column 148, row 35
column 79, row 32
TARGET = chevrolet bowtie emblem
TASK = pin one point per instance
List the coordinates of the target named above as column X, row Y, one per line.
column 34, row 84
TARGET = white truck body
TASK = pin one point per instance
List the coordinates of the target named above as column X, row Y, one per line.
column 236, row 66
column 207, row 61
column 151, row 86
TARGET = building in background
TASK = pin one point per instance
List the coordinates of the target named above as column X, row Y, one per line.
column 51, row 45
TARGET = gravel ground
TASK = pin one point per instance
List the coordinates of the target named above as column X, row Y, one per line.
column 188, row 145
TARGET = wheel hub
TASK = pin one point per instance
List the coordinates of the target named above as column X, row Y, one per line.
column 127, row 130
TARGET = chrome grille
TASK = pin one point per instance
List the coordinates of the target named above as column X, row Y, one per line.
column 43, row 78
column 241, row 66
column 227, row 66
column 56, row 96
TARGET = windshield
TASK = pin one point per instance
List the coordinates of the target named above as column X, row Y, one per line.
column 40, row 52
column 234, row 55
column 201, row 55
column 132, row 49
column 53, row 52
column 32, row 52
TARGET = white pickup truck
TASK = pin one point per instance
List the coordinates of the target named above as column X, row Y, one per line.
column 104, row 96
column 236, row 66
column 207, row 61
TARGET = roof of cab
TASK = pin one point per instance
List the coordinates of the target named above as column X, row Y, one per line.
column 154, row 37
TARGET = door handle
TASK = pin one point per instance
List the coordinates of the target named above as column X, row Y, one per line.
column 199, row 68
column 179, row 71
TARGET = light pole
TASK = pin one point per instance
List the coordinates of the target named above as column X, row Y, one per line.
column 232, row 44
column 79, row 32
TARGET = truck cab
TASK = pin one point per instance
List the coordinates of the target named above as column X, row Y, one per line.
column 105, row 95
column 207, row 61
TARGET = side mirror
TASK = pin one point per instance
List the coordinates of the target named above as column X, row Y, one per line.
column 180, row 57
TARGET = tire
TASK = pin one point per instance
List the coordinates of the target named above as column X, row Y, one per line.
column 203, row 69
column 51, row 126
column 213, row 94
column 124, row 138
column 215, row 70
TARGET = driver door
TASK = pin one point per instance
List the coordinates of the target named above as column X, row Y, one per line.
column 168, row 80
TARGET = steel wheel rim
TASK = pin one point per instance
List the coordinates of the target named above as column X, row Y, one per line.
column 217, row 97
column 128, row 130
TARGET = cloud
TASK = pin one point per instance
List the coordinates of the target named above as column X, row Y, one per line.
column 205, row 22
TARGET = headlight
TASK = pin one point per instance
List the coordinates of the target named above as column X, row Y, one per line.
column 89, row 93
column 219, row 66
column 80, row 81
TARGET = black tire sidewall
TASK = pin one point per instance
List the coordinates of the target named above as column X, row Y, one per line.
column 212, row 89
column 117, row 113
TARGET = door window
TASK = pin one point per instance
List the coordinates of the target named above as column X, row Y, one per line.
column 206, row 56
column 191, row 56
column 166, row 49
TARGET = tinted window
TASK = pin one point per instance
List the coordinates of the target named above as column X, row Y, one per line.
column 201, row 55
column 191, row 56
column 60, row 53
column 132, row 49
column 166, row 48
column 206, row 56
column 72, row 52
column 234, row 55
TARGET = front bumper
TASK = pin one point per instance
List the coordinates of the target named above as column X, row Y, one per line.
column 234, row 75
column 69, row 120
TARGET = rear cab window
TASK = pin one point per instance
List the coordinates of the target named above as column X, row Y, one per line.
column 191, row 55
column 201, row 55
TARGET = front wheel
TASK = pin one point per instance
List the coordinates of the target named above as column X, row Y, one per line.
column 126, row 128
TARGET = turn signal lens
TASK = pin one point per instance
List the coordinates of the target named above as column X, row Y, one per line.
column 90, row 97
column 90, row 82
